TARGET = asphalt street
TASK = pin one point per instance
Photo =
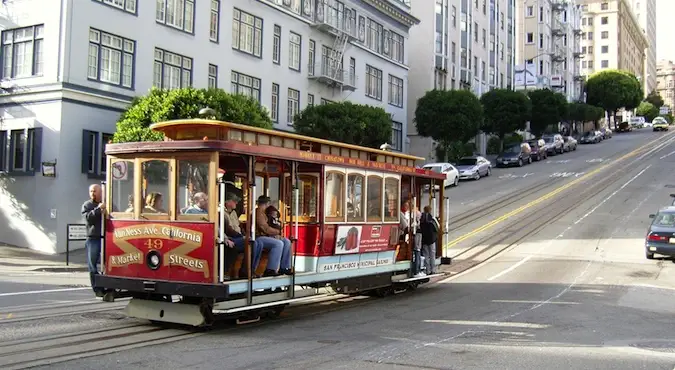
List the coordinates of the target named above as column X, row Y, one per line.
column 565, row 293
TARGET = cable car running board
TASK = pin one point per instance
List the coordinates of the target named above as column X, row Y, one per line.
column 267, row 304
column 417, row 278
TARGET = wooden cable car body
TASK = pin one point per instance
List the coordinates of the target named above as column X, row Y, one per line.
column 339, row 204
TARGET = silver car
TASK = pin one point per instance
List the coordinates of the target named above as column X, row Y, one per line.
column 473, row 167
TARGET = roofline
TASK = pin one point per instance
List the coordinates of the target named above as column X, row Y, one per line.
column 198, row 121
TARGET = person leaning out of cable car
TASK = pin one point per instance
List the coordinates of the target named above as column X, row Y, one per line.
column 233, row 233
column 404, row 225
column 429, row 228
column 279, row 258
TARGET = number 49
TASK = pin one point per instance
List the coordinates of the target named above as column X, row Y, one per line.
column 154, row 243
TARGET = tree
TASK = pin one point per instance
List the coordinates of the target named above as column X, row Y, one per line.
column 655, row 99
column 345, row 122
column 505, row 112
column 163, row 105
column 647, row 110
column 612, row 90
column 548, row 108
column 448, row 116
column 594, row 114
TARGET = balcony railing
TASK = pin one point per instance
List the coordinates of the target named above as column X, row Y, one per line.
column 330, row 20
column 578, row 54
column 325, row 72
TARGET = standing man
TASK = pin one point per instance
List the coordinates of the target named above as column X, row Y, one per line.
column 93, row 210
column 429, row 227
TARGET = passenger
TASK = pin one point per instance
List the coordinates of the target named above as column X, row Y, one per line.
column 233, row 232
column 130, row 205
column 273, row 217
column 404, row 224
column 153, row 203
column 279, row 259
column 93, row 210
column 429, row 228
column 200, row 204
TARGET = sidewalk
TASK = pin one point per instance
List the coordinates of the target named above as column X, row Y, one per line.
column 26, row 260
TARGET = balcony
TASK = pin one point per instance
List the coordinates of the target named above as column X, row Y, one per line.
column 325, row 73
column 578, row 77
column 578, row 54
column 333, row 21
column 559, row 5
column 577, row 31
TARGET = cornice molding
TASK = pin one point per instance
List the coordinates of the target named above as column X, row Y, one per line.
column 394, row 11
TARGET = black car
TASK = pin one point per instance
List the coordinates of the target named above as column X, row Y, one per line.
column 514, row 155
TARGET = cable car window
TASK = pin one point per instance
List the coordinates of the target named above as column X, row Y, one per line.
column 273, row 189
column 374, row 198
column 334, row 196
column 355, row 199
column 391, row 200
column 307, row 186
column 155, row 187
column 192, row 198
column 122, row 187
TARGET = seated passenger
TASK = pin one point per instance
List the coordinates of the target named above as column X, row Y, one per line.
column 233, row 232
column 200, row 205
column 273, row 217
column 153, row 203
column 279, row 259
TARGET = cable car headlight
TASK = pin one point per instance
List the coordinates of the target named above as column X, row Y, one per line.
column 153, row 260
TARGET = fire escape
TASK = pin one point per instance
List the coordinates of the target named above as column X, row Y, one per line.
column 331, row 17
column 560, row 41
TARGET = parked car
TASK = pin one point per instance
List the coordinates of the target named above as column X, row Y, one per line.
column 660, row 237
column 451, row 173
column 473, row 167
column 624, row 127
column 570, row 143
column 538, row 152
column 660, row 126
column 515, row 155
column 606, row 133
column 553, row 144
column 590, row 137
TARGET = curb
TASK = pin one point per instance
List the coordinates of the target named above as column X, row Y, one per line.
column 60, row 269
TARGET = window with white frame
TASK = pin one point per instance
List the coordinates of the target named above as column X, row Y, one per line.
column 247, row 33
column 274, row 111
column 276, row 45
column 311, row 57
column 293, row 105
column 310, row 100
column 25, row 150
column 171, row 70
column 396, row 49
column 213, row 76
column 294, row 51
column 22, row 52
column 128, row 6
column 374, row 36
column 397, row 136
column 179, row 14
column 395, row 91
column 245, row 85
column 214, row 26
column 373, row 82
column 94, row 160
column 111, row 58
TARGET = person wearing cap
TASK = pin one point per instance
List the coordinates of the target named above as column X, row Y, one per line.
column 279, row 260
column 233, row 232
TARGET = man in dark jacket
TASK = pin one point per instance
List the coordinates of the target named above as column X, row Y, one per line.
column 429, row 229
column 93, row 211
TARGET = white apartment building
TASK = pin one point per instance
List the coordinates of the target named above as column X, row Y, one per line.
column 548, row 45
column 472, row 49
column 645, row 12
column 69, row 68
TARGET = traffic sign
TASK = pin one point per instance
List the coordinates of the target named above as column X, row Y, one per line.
column 120, row 171
column 77, row 232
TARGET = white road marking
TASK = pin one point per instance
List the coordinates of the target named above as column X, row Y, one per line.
column 532, row 302
column 491, row 323
column 42, row 291
column 668, row 155
column 527, row 258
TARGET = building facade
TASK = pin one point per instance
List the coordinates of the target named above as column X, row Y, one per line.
column 472, row 49
column 645, row 12
column 665, row 82
column 548, row 43
column 69, row 71
column 612, row 38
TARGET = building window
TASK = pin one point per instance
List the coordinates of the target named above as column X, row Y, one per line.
column 214, row 27
column 247, row 33
column 312, row 57
column 245, row 85
column 94, row 160
column 604, row 64
column 276, row 45
column 604, row 6
column 275, row 103
column 604, row 35
column 530, row 38
column 3, row 151
column 213, row 76
column 25, row 150
column 395, row 91
column 22, row 52
column 294, row 51
column 374, row 36
column 179, row 14
column 171, row 70
column 454, row 16
column 604, row 49
column 125, row 5
column 530, row 11
column 373, row 82
column 604, row 20
column 325, row 101
column 397, row 136
column 293, row 105
column 111, row 58
column 352, row 71
column 310, row 100
column 396, row 48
